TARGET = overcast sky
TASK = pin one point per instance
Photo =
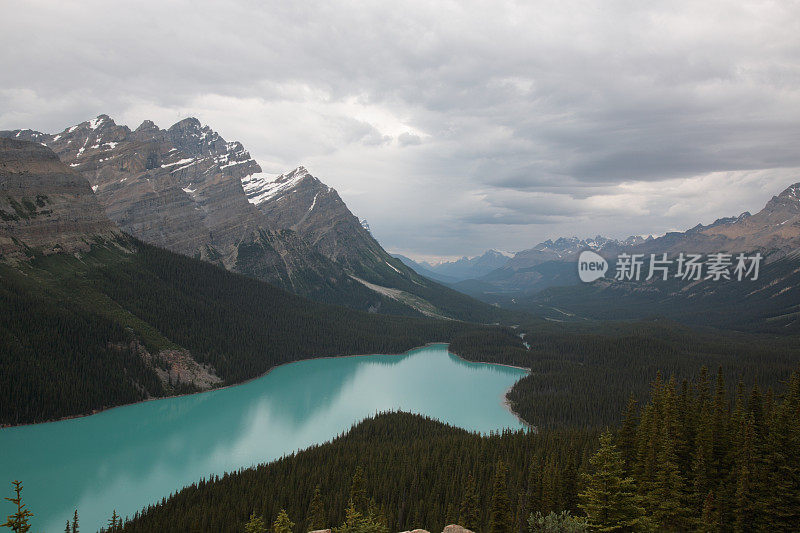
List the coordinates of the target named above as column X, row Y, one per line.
column 453, row 127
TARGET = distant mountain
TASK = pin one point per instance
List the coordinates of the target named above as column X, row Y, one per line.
column 472, row 267
column 189, row 190
column 769, row 303
column 774, row 231
column 423, row 269
column 567, row 249
column 549, row 263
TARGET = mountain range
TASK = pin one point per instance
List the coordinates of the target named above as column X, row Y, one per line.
column 190, row 191
column 768, row 302
column 773, row 231
column 460, row 269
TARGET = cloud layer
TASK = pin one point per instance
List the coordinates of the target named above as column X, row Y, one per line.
column 452, row 126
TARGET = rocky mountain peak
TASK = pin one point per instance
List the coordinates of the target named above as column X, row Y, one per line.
column 147, row 125
column 190, row 191
column 191, row 137
column 30, row 135
column 786, row 204
column 792, row 192
column 101, row 122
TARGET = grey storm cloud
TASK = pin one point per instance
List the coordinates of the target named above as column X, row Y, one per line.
column 442, row 122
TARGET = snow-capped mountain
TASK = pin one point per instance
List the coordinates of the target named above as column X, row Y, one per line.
column 189, row 190
column 301, row 202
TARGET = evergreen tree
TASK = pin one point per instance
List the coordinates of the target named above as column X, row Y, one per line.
column 355, row 522
column 500, row 516
column 315, row 518
column 358, row 492
column 75, row 525
column 627, row 433
column 255, row 524
column 534, row 492
column 709, row 522
column 562, row 522
column 746, row 519
column 67, row 529
column 282, row 524
column 609, row 499
column 669, row 495
column 783, row 460
column 703, row 457
column 469, row 513
column 19, row 521
column 114, row 523
column 720, row 432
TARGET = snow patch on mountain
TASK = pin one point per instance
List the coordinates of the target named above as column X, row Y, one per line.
column 261, row 187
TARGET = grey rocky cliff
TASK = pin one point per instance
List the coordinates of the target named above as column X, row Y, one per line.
column 181, row 189
column 301, row 202
column 45, row 206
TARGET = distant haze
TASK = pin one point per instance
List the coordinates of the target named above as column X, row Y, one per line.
column 452, row 127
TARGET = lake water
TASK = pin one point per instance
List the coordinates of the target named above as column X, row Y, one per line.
column 128, row 457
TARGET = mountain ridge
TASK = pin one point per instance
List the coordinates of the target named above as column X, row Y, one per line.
column 774, row 231
column 183, row 188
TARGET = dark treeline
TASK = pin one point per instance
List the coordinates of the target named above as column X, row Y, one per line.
column 582, row 373
column 66, row 323
column 691, row 459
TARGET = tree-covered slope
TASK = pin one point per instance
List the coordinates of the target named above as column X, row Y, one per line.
column 582, row 373
column 124, row 323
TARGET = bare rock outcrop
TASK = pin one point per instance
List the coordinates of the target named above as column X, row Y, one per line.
column 45, row 206
column 454, row 528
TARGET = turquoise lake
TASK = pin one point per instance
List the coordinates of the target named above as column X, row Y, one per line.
column 128, row 457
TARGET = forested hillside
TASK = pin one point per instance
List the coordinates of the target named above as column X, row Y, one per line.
column 692, row 458
column 89, row 332
column 583, row 372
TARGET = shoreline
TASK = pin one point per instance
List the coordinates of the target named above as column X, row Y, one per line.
column 504, row 402
column 154, row 399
